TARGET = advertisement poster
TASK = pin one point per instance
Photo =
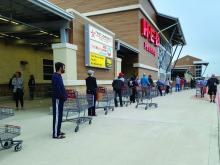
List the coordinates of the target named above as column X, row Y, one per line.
column 99, row 48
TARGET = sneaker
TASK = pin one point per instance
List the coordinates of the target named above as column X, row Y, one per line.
column 210, row 101
column 213, row 101
column 62, row 133
column 59, row 137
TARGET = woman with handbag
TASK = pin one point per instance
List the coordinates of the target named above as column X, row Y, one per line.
column 18, row 89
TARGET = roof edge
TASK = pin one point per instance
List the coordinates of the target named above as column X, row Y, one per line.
column 176, row 19
column 52, row 8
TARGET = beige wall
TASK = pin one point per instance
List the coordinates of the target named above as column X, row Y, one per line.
column 10, row 63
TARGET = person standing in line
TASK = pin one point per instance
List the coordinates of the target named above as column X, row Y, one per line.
column 138, row 81
column 182, row 81
column 117, row 85
column 177, row 84
column 151, row 81
column 91, row 87
column 132, row 85
column 59, row 96
column 203, row 83
column 18, row 89
column 160, row 85
column 212, row 85
column 191, row 83
column 31, row 85
column 144, row 84
column 167, row 85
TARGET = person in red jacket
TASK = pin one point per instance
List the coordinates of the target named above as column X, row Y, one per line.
column 182, row 83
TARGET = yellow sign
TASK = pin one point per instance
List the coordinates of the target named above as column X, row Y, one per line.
column 108, row 63
column 97, row 60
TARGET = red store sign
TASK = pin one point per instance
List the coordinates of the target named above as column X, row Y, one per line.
column 148, row 32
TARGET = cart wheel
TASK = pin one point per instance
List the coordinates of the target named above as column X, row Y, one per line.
column 7, row 144
column 113, row 108
column 77, row 129
column 150, row 105
column 146, row 107
column 106, row 112
column 90, row 121
column 18, row 147
column 105, row 109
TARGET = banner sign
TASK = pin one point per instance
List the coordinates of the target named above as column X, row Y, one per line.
column 98, row 48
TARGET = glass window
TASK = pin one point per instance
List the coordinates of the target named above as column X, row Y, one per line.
column 47, row 69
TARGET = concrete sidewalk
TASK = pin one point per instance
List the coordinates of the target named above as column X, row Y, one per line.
column 183, row 130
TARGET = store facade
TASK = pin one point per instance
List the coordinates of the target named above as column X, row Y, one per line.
column 142, row 44
column 36, row 34
column 119, row 36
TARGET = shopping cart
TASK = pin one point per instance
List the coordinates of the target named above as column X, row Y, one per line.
column 75, row 108
column 126, row 93
column 7, row 134
column 104, row 99
column 6, row 112
column 144, row 96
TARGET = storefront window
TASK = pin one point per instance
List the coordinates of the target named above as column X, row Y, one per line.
column 47, row 69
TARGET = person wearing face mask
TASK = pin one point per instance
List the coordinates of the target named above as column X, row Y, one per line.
column 59, row 96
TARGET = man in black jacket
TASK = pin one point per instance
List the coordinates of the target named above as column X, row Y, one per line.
column 212, row 85
column 91, row 86
column 117, row 85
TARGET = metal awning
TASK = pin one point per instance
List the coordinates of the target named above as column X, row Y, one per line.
column 32, row 22
column 200, row 63
column 170, row 25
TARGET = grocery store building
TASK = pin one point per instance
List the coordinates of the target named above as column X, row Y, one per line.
column 106, row 36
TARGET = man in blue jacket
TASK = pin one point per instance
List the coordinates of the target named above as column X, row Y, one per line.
column 59, row 96
column 145, row 84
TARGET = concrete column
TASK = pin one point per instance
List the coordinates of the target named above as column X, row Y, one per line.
column 66, row 53
column 118, row 65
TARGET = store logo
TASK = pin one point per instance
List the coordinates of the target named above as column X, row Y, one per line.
column 149, row 49
column 148, row 32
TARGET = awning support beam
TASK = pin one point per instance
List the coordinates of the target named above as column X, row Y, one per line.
column 167, row 28
column 178, row 56
column 172, row 58
column 166, row 49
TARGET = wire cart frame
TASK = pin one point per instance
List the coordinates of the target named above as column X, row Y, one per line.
column 9, row 132
column 105, row 99
column 77, row 105
column 144, row 96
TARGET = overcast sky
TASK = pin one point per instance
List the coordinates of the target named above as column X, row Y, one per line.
column 200, row 21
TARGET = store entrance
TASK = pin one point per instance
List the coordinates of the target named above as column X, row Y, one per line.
column 129, row 57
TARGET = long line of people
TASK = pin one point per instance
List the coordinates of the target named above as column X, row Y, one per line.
column 164, row 87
